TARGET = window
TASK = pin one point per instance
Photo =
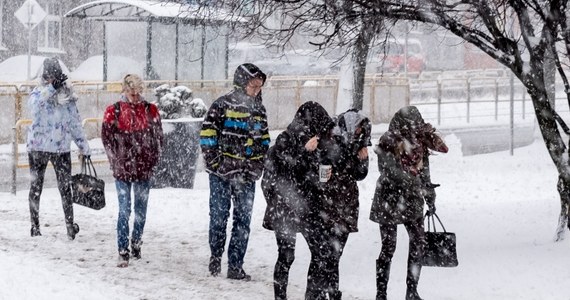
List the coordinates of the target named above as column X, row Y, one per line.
column 49, row 30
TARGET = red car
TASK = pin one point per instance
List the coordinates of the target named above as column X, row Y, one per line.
column 391, row 57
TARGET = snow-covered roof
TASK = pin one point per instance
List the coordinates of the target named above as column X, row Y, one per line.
column 142, row 10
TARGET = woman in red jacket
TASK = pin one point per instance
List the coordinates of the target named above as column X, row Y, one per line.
column 132, row 137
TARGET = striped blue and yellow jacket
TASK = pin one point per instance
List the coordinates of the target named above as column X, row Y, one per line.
column 235, row 136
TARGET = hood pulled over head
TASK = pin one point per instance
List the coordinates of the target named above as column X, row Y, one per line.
column 409, row 124
column 246, row 72
column 348, row 123
column 311, row 119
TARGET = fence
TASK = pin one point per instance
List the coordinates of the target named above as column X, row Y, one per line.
column 281, row 95
column 442, row 99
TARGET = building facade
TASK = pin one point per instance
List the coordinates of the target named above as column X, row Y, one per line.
column 70, row 39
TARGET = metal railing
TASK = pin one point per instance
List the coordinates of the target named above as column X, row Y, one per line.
column 16, row 164
column 453, row 99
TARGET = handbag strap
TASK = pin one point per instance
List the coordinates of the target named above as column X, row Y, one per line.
column 87, row 167
column 84, row 165
column 431, row 221
column 90, row 166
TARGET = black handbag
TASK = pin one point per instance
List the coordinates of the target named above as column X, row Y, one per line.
column 440, row 247
column 87, row 189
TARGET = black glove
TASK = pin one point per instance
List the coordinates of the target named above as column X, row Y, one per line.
column 431, row 209
column 58, row 82
column 83, row 157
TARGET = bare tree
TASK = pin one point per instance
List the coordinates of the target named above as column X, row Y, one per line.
column 324, row 25
column 516, row 33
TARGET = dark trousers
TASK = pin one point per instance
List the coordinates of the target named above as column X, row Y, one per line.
column 416, row 248
column 286, row 255
column 62, row 165
column 326, row 246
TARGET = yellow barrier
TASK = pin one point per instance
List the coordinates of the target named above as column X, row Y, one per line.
column 16, row 155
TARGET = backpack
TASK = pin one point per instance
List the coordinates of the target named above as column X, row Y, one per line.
column 117, row 106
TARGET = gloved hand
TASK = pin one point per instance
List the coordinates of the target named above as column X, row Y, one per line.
column 58, row 82
column 431, row 209
column 82, row 157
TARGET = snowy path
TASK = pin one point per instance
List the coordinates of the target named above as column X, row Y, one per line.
column 503, row 209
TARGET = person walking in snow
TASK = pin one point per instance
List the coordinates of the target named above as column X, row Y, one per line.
column 132, row 136
column 55, row 123
column 234, row 140
column 333, row 205
column 402, row 189
column 290, row 181
column 339, row 210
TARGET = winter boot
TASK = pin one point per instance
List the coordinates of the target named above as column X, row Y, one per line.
column 215, row 266
column 281, row 280
column 123, row 259
column 412, row 281
column 238, row 274
column 35, row 231
column 382, row 276
column 136, row 249
column 315, row 295
column 280, row 290
column 72, row 230
column 412, row 294
column 335, row 295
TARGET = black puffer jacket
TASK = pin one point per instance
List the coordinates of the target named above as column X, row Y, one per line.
column 290, row 182
column 403, row 161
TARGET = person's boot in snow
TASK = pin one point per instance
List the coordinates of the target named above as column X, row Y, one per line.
column 335, row 295
column 136, row 249
column 72, row 230
column 123, row 259
column 215, row 266
column 382, row 276
column 315, row 295
column 35, row 231
column 238, row 274
column 412, row 294
column 412, row 281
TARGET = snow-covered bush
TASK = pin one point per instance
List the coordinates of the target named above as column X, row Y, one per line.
column 177, row 102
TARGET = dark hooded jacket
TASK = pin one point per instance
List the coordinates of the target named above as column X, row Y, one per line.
column 341, row 206
column 290, row 182
column 235, row 137
column 403, row 161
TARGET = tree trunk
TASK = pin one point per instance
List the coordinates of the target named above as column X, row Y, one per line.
column 359, row 57
column 537, row 89
column 549, row 68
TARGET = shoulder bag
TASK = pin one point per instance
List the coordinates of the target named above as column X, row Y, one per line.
column 440, row 247
column 88, row 190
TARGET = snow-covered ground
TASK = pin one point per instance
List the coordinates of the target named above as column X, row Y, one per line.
column 503, row 208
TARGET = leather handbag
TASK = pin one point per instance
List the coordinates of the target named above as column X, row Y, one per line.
column 440, row 247
column 87, row 189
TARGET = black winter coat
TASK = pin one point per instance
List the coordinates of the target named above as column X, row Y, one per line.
column 290, row 181
column 400, row 191
column 341, row 206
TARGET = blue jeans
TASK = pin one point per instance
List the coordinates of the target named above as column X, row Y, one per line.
column 222, row 194
column 141, row 190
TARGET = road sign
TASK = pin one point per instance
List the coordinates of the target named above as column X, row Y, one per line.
column 30, row 14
